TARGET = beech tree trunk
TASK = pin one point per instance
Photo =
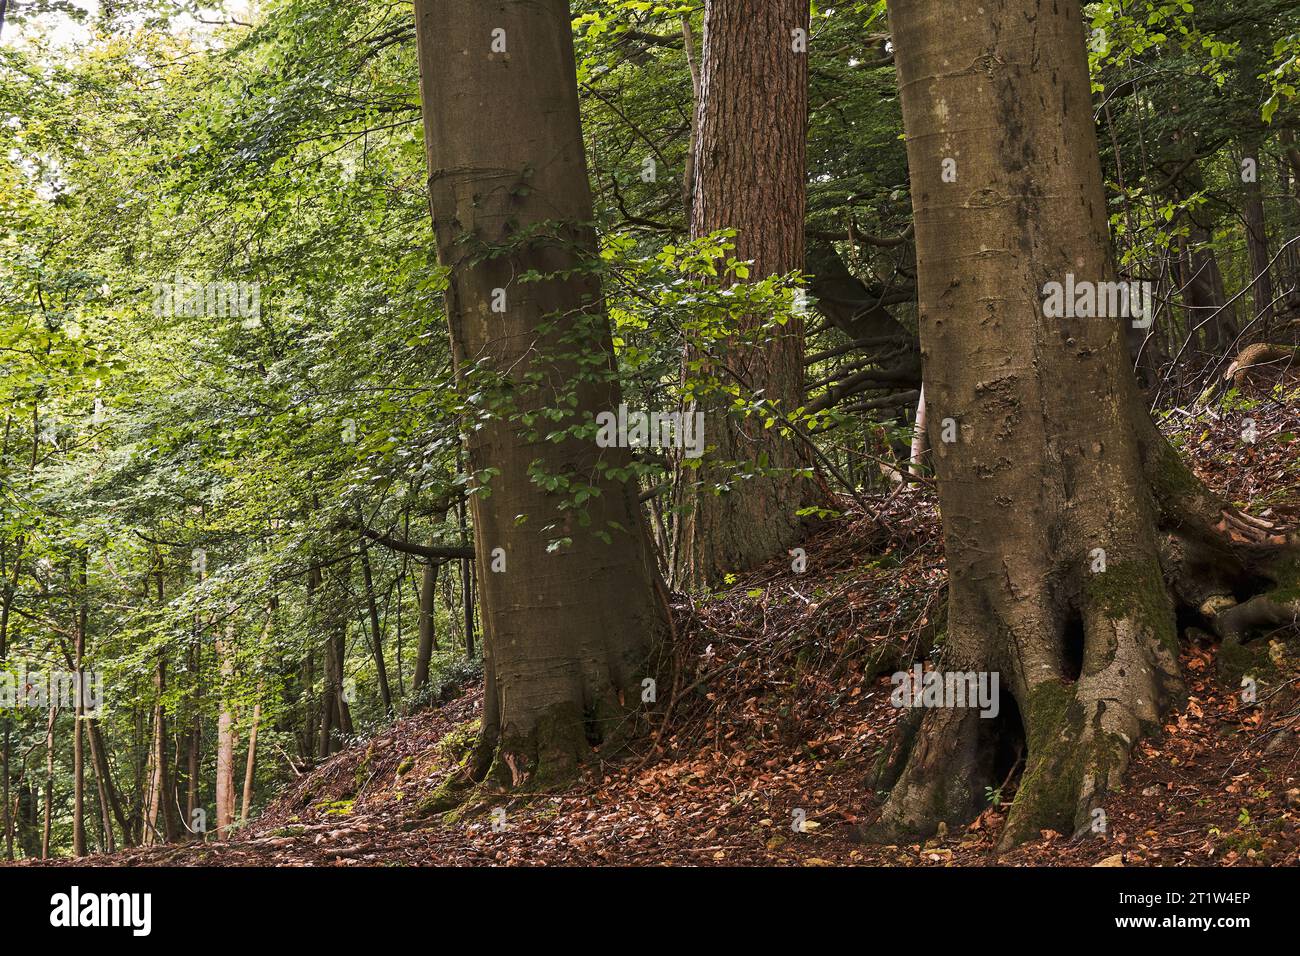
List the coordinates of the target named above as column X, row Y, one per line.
column 569, row 607
column 162, row 797
column 78, row 749
column 225, row 788
column 250, row 766
column 428, row 625
column 1204, row 296
column 1056, row 466
column 750, row 166
column 1257, row 245
column 110, row 802
column 6, row 600
column 376, row 632
column 48, row 796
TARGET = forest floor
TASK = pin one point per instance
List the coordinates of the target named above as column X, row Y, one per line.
column 777, row 709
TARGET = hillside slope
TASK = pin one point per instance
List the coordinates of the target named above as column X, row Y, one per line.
column 780, row 710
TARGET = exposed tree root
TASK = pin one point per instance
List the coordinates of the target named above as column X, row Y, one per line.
column 1081, row 710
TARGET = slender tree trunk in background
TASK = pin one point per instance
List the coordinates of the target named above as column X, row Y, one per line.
column 78, row 753
column 225, row 787
column 193, row 745
column 308, row 713
column 48, row 800
column 105, row 822
column 179, row 774
column 328, row 704
column 156, row 796
column 193, row 766
column 567, row 630
column 1056, row 459
column 342, row 712
column 920, row 438
column 466, row 580
column 6, row 600
column 251, row 766
column 428, row 625
column 9, row 575
column 376, row 633
column 1203, row 293
column 1288, row 268
column 467, row 600
column 29, row 829
column 750, row 167
column 162, row 797
column 110, row 800
column 1257, row 246
column 310, row 719
column 321, row 737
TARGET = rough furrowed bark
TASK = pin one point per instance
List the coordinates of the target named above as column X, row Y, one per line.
column 750, row 166
column 569, row 606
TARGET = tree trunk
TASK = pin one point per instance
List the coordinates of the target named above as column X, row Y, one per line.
column 251, row 765
column 428, row 625
column 1055, row 459
column 156, row 794
column 6, row 599
column 48, row 800
column 570, row 617
column 920, row 439
column 29, row 833
column 376, row 633
column 225, row 788
column 750, row 168
column 193, row 764
column 78, row 752
column 466, row 581
column 333, row 712
column 110, row 801
column 1257, row 246
column 162, row 797
column 309, row 672
column 102, row 786
column 1204, row 297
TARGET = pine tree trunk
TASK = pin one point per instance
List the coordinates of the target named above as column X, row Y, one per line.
column 749, row 170
column 1055, row 459
column 567, row 629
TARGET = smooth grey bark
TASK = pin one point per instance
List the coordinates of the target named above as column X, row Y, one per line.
column 1055, row 459
column 428, row 625
column 568, row 626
